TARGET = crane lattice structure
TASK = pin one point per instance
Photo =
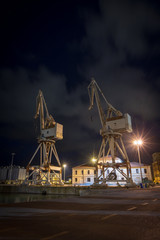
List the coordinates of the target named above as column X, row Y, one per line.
column 50, row 132
column 114, row 124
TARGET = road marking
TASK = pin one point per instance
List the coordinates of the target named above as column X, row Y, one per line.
column 145, row 203
column 55, row 235
column 130, row 209
column 154, row 199
column 109, row 216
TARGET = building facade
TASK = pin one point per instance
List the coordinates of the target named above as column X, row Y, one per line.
column 85, row 174
column 156, row 167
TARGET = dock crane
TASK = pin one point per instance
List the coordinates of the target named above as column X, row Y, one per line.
column 50, row 132
column 114, row 124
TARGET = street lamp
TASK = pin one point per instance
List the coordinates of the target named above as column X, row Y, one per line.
column 64, row 166
column 94, row 160
column 13, row 154
column 138, row 143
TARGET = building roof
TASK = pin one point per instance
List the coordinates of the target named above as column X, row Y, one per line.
column 91, row 165
column 85, row 165
column 136, row 164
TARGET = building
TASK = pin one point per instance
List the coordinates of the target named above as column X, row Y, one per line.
column 85, row 174
column 146, row 172
column 156, row 166
column 12, row 173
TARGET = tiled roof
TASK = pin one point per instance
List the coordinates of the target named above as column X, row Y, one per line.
column 136, row 164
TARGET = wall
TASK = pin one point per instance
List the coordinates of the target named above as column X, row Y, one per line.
column 83, row 177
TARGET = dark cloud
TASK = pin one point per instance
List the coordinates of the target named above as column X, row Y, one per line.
column 117, row 42
column 18, row 95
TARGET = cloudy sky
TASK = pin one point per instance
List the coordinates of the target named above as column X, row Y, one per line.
column 57, row 47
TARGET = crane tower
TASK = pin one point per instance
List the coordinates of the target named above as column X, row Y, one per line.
column 50, row 132
column 114, row 124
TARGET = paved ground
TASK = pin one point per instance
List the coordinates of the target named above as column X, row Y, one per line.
column 115, row 215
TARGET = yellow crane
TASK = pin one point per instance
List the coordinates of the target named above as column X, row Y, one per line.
column 50, row 132
column 114, row 124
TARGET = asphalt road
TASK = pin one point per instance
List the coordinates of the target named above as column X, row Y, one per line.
column 115, row 215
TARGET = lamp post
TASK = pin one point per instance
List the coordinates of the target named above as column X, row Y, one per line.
column 138, row 143
column 94, row 160
column 13, row 154
column 64, row 166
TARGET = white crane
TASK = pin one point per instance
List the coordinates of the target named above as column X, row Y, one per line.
column 114, row 124
column 50, row 132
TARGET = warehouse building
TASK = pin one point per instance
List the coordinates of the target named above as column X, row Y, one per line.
column 12, row 174
column 85, row 174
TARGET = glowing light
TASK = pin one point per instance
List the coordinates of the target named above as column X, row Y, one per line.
column 94, row 160
column 138, row 142
column 64, row 165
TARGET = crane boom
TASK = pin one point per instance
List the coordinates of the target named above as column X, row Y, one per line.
column 92, row 90
column 114, row 119
column 46, row 120
column 48, row 127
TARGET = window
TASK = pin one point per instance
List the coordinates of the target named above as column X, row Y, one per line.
column 107, row 171
column 137, row 171
column 82, row 172
column 88, row 179
column 122, row 178
column 75, row 179
column 88, row 171
column 94, row 171
column 145, row 170
column 76, row 172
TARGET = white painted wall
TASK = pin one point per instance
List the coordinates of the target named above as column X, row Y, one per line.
column 82, row 177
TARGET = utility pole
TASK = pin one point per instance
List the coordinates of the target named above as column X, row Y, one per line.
column 140, row 163
column 13, row 154
column 138, row 143
column 64, row 166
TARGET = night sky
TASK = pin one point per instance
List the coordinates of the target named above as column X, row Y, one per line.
column 57, row 46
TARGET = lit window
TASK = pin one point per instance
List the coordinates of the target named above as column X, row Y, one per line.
column 88, row 179
column 82, row 172
column 88, row 171
column 145, row 170
column 76, row 172
column 137, row 171
column 75, row 179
